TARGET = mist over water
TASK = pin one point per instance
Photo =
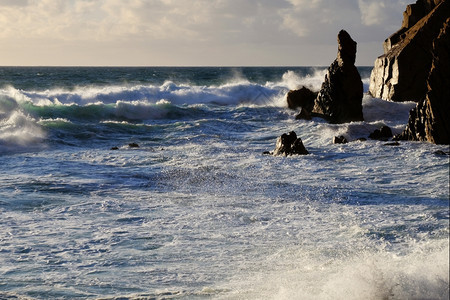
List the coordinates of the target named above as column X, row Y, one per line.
column 196, row 211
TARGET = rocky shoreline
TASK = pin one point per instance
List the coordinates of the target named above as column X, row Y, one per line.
column 414, row 67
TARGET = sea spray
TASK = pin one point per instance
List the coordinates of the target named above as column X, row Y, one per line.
column 369, row 275
column 17, row 128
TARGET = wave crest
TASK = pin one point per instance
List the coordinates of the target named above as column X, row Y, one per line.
column 234, row 91
column 17, row 128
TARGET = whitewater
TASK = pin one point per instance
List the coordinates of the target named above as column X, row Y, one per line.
column 151, row 183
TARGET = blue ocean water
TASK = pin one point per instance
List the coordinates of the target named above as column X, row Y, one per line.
column 197, row 211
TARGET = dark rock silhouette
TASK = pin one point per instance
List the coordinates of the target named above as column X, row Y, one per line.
column 442, row 153
column 392, row 144
column 303, row 115
column 340, row 97
column 289, row 144
column 383, row 133
column 302, row 97
column 340, row 140
column 430, row 119
column 401, row 73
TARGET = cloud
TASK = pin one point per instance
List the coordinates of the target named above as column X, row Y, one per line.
column 117, row 19
column 13, row 3
column 372, row 12
column 378, row 13
column 183, row 20
column 191, row 29
column 318, row 19
column 56, row 19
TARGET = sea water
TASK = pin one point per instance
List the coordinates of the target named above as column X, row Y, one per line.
column 197, row 211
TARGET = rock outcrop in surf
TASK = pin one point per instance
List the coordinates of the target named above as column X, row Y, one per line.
column 340, row 97
column 303, row 97
column 384, row 133
column 401, row 73
column 289, row 144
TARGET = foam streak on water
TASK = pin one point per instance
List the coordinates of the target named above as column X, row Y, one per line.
column 197, row 212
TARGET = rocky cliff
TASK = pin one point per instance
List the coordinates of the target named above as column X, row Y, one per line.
column 430, row 119
column 401, row 73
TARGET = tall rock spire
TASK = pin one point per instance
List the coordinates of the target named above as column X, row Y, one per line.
column 340, row 98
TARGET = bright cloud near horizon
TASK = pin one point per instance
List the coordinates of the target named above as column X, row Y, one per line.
column 191, row 32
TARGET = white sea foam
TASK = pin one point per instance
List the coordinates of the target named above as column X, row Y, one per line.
column 366, row 83
column 376, row 113
column 54, row 121
column 292, row 80
column 422, row 274
column 17, row 129
column 388, row 112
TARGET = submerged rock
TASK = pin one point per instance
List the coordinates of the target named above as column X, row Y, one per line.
column 133, row 145
column 401, row 73
column 340, row 97
column 289, row 144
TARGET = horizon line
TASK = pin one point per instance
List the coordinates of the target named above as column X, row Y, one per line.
column 170, row 66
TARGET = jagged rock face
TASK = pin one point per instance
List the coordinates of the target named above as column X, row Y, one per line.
column 346, row 49
column 340, row 98
column 401, row 73
column 430, row 120
column 415, row 12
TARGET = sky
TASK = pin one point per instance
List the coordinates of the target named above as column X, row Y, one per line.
column 192, row 32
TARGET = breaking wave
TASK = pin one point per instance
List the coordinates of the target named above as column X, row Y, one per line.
column 26, row 115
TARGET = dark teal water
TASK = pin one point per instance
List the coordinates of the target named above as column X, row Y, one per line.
column 42, row 78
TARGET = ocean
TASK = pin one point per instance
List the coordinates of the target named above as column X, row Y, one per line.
column 151, row 183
